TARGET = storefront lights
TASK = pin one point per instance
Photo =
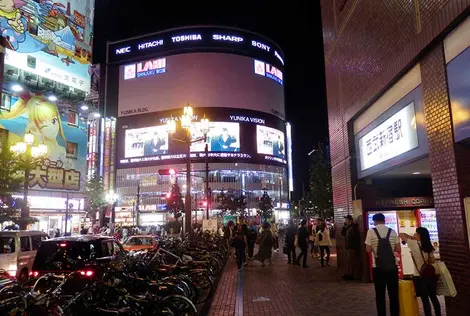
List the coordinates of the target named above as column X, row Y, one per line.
column 84, row 107
column 28, row 138
column 205, row 125
column 171, row 126
column 16, row 88
column 52, row 98
column 186, row 121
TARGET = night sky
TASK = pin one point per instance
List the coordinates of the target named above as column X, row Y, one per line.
column 295, row 26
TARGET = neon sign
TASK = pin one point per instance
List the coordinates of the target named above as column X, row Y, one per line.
column 266, row 70
column 123, row 50
column 227, row 38
column 185, row 38
column 150, row 44
column 145, row 69
column 261, row 46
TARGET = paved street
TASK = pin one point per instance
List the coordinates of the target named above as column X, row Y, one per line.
column 281, row 289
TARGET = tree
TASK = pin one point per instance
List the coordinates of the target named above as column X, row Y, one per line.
column 11, row 181
column 320, row 187
column 174, row 202
column 240, row 205
column 96, row 197
column 265, row 206
column 226, row 202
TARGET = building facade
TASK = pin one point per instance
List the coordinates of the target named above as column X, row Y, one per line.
column 46, row 82
column 397, row 80
column 230, row 76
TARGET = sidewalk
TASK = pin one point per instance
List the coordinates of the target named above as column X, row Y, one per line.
column 281, row 289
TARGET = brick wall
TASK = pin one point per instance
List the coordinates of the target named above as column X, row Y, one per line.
column 447, row 180
column 368, row 45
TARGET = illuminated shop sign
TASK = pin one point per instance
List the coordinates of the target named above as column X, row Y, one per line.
column 261, row 46
column 150, row 44
column 185, row 38
column 123, row 50
column 145, row 69
column 269, row 71
column 227, row 38
column 395, row 136
column 247, row 119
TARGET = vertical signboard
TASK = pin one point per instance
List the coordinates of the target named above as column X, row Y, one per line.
column 112, row 157
column 289, row 157
column 107, row 153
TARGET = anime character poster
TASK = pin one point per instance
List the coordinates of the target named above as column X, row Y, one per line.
column 61, row 129
column 54, row 37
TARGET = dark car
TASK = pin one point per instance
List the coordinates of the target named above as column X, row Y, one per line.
column 86, row 255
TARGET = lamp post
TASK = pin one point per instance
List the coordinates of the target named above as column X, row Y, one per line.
column 112, row 198
column 186, row 123
column 29, row 156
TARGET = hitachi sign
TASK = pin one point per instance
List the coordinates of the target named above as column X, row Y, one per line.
column 123, row 50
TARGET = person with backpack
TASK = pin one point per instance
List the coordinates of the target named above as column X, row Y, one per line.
column 425, row 277
column 382, row 243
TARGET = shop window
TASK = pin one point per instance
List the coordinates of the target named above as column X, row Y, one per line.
column 72, row 150
column 7, row 244
column 25, row 244
column 6, row 102
column 36, row 241
column 72, row 118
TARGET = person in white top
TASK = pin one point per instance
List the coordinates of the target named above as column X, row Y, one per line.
column 323, row 241
column 422, row 252
column 383, row 280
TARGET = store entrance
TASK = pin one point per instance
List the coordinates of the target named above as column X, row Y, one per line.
column 404, row 195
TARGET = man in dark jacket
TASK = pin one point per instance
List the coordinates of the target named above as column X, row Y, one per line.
column 289, row 241
column 351, row 235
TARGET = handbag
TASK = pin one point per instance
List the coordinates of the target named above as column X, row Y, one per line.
column 445, row 284
column 296, row 241
column 427, row 271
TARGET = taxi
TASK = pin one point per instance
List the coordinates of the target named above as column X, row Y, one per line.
column 140, row 242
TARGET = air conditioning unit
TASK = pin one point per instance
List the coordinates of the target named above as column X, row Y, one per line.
column 11, row 73
column 46, row 84
column 28, row 78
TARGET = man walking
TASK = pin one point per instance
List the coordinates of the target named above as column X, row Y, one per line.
column 350, row 232
column 381, row 242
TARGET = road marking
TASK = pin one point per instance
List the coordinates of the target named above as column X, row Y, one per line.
column 239, row 299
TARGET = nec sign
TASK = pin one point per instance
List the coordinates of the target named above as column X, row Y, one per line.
column 123, row 50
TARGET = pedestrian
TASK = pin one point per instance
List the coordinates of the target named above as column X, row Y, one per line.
column 311, row 238
column 239, row 243
column 84, row 230
column 425, row 277
column 302, row 240
column 275, row 231
column 251, row 240
column 124, row 233
column 228, row 234
column 57, row 233
column 381, row 242
column 265, row 245
column 289, row 241
column 322, row 239
column 350, row 232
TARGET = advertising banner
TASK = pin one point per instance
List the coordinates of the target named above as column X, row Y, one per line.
column 61, row 129
column 234, row 136
column 207, row 79
column 458, row 76
column 50, row 39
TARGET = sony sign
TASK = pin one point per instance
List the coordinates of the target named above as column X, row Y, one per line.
column 261, row 46
column 396, row 136
column 227, row 38
column 123, row 50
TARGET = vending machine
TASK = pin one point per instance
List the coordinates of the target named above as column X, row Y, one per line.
column 427, row 218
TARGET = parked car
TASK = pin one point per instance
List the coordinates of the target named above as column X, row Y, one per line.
column 18, row 249
column 86, row 254
column 140, row 242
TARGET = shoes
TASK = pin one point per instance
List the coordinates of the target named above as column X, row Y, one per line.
column 263, row 265
column 306, row 266
column 288, row 262
column 245, row 264
column 328, row 265
column 297, row 263
column 347, row 277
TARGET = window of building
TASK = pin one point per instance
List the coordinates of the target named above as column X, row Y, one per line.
column 72, row 118
column 72, row 150
column 6, row 102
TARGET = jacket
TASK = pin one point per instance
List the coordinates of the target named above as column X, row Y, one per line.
column 351, row 236
column 326, row 241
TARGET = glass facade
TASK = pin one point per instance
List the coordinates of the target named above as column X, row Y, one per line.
column 249, row 179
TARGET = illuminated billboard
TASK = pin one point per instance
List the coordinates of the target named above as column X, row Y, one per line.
column 58, row 126
column 270, row 141
column 222, row 137
column 207, row 79
column 147, row 141
column 232, row 136
column 49, row 40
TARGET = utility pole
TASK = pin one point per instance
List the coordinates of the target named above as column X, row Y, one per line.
column 207, row 181
column 137, row 206
column 187, row 200
column 66, row 214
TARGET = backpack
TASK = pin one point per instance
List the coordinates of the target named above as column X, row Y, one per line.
column 385, row 260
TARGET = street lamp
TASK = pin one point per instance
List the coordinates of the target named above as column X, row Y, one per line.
column 186, row 123
column 29, row 156
column 112, row 198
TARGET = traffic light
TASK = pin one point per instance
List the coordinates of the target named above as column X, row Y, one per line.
column 166, row 172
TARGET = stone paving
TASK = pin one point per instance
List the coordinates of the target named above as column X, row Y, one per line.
column 281, row 289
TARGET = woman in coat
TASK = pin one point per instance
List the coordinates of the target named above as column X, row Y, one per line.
column 265, row 245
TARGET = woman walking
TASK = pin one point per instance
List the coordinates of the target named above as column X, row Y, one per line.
column 422, row 253
column 251, row 240
column 302, row 239
column 323, row 241
column 239, row 243
column 265, row 245
column 289, row 242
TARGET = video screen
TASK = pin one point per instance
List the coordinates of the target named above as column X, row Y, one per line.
column 270, row 141
column 222, row 137
column 145, row 142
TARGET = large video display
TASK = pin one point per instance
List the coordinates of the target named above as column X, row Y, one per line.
column 234, row 135
column 204, row 79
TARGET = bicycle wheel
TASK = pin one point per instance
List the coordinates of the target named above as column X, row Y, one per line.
column 184, row 305
column 203, row 282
